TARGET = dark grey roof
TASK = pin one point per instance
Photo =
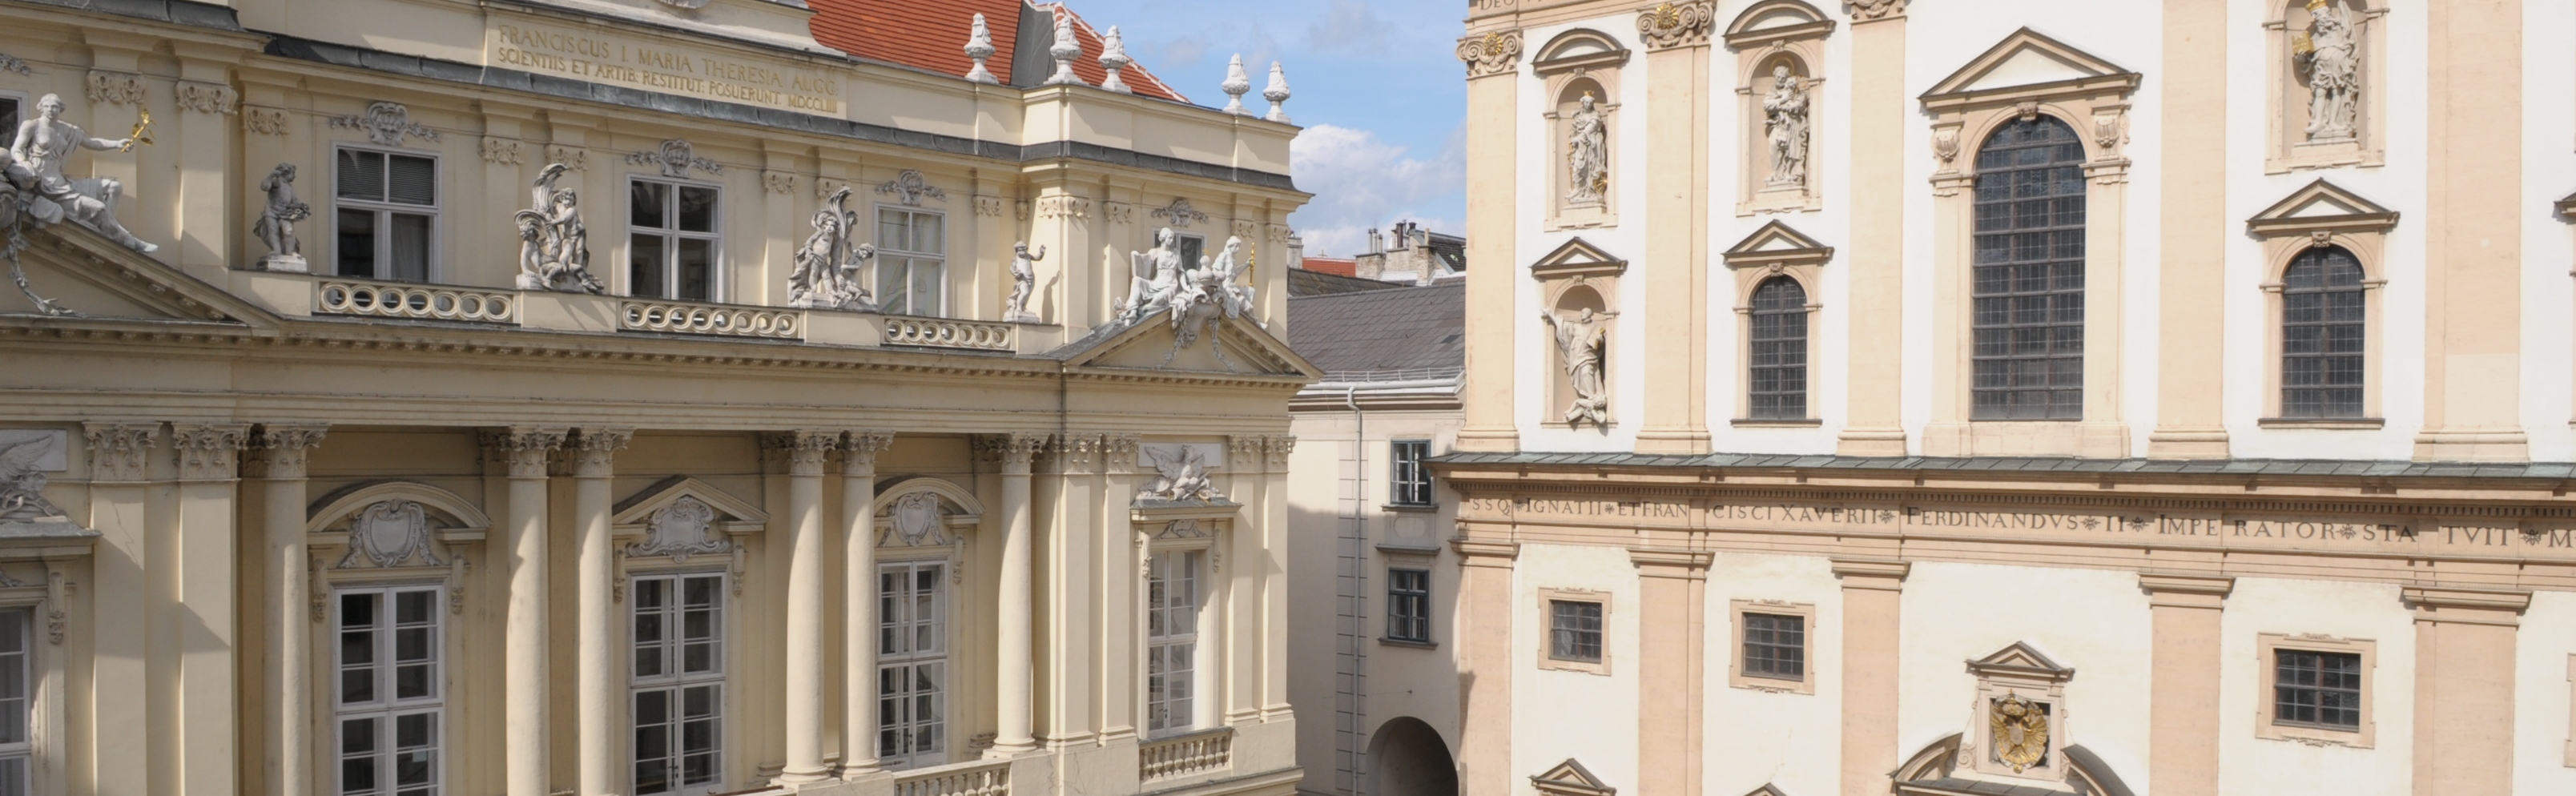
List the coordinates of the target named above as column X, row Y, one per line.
column 1302, row 282
column 2036, row 464
column 1400, row 334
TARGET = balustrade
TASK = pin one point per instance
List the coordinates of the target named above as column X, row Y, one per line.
column 971, row 779
column 639, row 315
column 1183, row 755
column 947, row 333
column 395, row 300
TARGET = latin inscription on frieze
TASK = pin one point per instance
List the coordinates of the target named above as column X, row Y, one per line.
column 594, row 55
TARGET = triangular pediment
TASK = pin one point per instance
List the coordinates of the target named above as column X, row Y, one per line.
column 2321, row 205
column 2020, row 658
column 1767, row 790
column 1570, row 778
column 1777, row 242
column 733, row 514
column 1577, row 256
column 1234, row 346
column 85, row 273
column 2026, row 60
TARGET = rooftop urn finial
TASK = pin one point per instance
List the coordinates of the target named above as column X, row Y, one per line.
column 1277, row 94
column 1066, row 49
column 979, row 46
column 1113, row 57
column 1235, row 85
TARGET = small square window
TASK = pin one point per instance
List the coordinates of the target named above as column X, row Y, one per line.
column 1412, row 481
column 2316, row 688
column 1408, row 605
column 1774, row 646
column 1577, row 637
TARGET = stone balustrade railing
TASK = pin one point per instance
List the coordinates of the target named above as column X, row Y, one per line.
column 947, row 333
column 397, row 300
column 1183, row 755
column 970, row 779
column 676, row 317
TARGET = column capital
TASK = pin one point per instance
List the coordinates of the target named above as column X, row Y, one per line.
column 859, row 451
column 1655, row 562
column 1013, row 450
column 524, row 449
column 1495, row 53
column 1485, row 552
column 1879, row 574
column 1875, row 10
column 1118, row 452
column 1245, row 453
column 209, row 451
column 802, row 449
column 2182, row 590
column 279, row 449
column 593, row 449
column 1074, row 453
column 2467, row 606
column 1279, row 448
column 1671, row 25
column 119, row 452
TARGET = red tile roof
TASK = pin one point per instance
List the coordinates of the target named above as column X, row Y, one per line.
column 931, row 35
column 1338, row 266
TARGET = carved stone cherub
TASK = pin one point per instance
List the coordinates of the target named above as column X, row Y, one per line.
column 1024, row 280
column 276, row 226
column 554, row 244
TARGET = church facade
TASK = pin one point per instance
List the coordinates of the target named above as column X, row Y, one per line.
column 637, row 397
column 2016, row 397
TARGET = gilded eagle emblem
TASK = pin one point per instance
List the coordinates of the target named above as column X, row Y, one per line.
column 2020, row 731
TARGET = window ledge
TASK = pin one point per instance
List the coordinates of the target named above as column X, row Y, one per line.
column 1748, row 422
column 1406, row 549
column 1397, row 642
column 1410, row 508
column 2322, row 423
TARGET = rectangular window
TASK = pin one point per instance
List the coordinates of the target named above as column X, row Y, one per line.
column 1775, row 646
column 1574, row 631
column 386, row 209
column 2317, row 689
column 912, row 264
column 671, row 240
column 1171, row 639
column 387, row 701
column 1408, row 605
column 678, row 674
column 912, row 663
column 1412, row 480
column 17, row 702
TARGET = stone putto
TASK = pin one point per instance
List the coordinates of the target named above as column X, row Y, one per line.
column 827, row 267
column 276, row 225
column 1024, row 279
column 554, row 244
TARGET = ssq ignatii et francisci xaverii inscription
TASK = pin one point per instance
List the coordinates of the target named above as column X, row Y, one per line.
column 599, row 57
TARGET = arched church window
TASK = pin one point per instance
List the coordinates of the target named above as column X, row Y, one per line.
column 2029, row 273
column 2322, row 316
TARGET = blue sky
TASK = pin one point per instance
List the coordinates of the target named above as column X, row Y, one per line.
column 1375, row 85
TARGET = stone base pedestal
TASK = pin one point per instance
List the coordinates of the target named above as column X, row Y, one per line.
column 285, row 263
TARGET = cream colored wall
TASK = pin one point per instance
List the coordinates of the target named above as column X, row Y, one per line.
column 1799, row 747
column 1560, row 714
column 2361, row 610
column 2091, row 620
column 2544, row 673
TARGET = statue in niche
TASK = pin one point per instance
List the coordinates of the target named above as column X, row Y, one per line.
column 1587, row 155
column 554, row 244
column 44, row 146
column 22, row 482
column 1157, row 278
column 1024, row 280
column 1582, row 342
column 827, row 267
column 2330, row 51
column 1784, row 121
column 276, row 226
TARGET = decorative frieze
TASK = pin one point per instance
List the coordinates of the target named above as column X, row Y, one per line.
column 1672, row 25
column 1245, row 452
column 989, row 206
column 1494, row 53
column 209, row 451
column 572, row 158
column 1118, row 212
column 1872, row 10
column 1279, row 449
column 1118, row 452
column 502, row 151
column 1073, row 453
column 910, row 187
column 1074, row 207
column 1247, row 230
column 523, row 449
column 676, row 157
column 15, row 64
column 778, row 182
column 115, row 88
column 386, row 124
column 208, row 98
column 264, row 121
column 1179, row 214
column 684, row 528
column 279, row 450
column 119, row 452
column 390, row 533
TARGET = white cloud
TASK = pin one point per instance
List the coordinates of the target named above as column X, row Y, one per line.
column 1360, row 182
column 1347, row 27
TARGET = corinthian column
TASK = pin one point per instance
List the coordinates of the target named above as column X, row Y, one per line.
column 523, row 449
column 1011, row 657
column 209, row 478
column 859, row 601
column 286, row 676
column 594, row 459
column 804, row 452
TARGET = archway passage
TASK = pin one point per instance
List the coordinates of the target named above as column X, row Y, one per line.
column 1407, row 758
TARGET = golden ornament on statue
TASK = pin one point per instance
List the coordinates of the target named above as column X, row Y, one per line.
column 142, row 133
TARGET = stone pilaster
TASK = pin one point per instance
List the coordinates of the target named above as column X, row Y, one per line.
column 1871, row 623
column 1671, row 667
column 1875, row 380
column 2464, row 694
column 1493, row 147
column 2182, row 715
column 279, row 453
column 1676, row 272
column 120, row 457
column 208, row 642
column 1485, row 666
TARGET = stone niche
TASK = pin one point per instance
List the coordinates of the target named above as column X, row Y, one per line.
column 1775, row 40
column 2354, row 33
column 1574, row 65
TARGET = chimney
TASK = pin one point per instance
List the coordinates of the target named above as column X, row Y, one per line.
column 1377, row 242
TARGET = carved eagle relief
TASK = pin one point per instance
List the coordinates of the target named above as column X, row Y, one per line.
column 2019, row 730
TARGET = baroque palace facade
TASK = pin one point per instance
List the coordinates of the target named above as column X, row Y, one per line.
column 2016, row 397
column 913, row 421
